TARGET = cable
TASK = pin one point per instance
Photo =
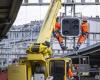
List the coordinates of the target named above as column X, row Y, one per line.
column 40, row 12
column 25, row 19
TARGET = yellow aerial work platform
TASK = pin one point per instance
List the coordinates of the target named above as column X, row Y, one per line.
column 38, row 63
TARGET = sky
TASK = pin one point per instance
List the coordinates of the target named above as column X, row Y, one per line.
column 31, row 13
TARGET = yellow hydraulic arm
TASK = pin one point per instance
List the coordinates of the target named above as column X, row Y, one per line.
column 42, row 45
column 47, row 27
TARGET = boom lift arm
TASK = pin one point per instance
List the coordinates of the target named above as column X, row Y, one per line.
column 49, row 22
column 42, row 45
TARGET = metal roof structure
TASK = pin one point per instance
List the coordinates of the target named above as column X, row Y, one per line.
column 8, row 13
column 92, row 51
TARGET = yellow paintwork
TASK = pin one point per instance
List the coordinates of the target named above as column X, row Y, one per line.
column 29, row 71
column 23, row 71
column 49, row 22
column 35, row 57
column 47, row 28
column 43, row 49
column 17, row 72
column 65, row 59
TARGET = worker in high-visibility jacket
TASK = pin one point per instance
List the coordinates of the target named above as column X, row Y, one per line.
column 70, row 73
column 57, row 35
column 84, row 33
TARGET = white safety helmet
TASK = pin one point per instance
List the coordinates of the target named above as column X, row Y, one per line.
column 84, row 19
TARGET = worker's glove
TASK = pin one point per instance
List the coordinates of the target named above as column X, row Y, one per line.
column 54, row 33
column 57, row 31
column 47, row 43
column 71, row 78
column 85, row 33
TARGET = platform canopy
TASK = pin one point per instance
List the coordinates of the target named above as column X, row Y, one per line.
column 8, row 13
